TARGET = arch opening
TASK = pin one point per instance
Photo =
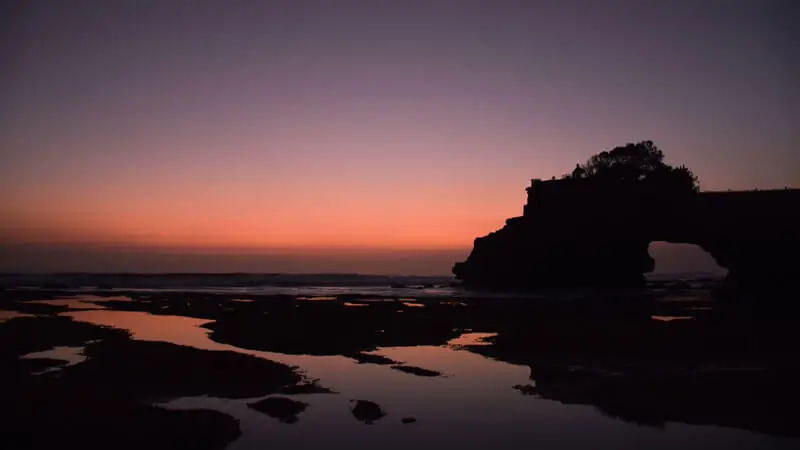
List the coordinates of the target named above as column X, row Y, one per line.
column 682, row 261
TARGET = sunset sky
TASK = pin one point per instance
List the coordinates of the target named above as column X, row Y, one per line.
column 343, row 127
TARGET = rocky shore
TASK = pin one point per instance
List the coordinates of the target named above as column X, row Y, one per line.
column 651, row 357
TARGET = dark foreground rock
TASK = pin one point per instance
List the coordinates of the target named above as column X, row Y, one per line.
column 284, row 409
column 367, row 411
column 525, row 389
column 331, row 328
column 311, row 387
column 161, row 370
column 107, row 400
column 418, row 371
column 135, row 427
column 367, row 358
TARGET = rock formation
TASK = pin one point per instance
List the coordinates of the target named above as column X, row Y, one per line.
column 587, row 231
column 569, row 235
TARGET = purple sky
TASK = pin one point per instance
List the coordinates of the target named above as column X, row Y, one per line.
column 371, row 124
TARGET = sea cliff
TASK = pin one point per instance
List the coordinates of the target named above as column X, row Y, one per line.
column 578, row 232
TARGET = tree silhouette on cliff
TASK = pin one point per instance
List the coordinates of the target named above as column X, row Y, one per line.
column 640, row 163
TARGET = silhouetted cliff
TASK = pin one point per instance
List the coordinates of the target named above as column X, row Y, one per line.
column 580, row 232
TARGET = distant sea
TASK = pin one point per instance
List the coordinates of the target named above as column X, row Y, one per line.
column 315, row 284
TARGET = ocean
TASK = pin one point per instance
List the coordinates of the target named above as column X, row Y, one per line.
column 312, row 284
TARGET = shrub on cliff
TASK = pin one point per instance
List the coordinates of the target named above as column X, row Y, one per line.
column 639, row 163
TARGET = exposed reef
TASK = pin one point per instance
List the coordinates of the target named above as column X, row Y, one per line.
column 590, row 229
column 418, row 371
column 108, row 399
column 311, row 387
column 284, row 409
column 367, row 411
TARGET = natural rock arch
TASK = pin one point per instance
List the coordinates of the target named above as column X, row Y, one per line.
column 578, row 232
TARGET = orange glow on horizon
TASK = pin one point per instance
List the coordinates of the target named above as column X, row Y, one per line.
column 164, row 225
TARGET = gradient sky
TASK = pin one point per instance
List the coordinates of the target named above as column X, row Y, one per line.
column 280, row 126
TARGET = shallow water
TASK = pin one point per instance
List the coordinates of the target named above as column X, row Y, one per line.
column 471, row 405
column 508, row 424
column 69, row 354
column 6, row 315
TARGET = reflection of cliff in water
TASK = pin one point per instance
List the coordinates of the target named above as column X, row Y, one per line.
column 739, row 372
column 742, row 397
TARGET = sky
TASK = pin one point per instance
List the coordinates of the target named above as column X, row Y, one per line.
column 318, row 129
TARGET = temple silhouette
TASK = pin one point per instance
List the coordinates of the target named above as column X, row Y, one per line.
column 593, row 227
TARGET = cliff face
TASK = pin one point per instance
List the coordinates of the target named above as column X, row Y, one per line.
column 574, row 233
column 754, row 234
column 538, row 253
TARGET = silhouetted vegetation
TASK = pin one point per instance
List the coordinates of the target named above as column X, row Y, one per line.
column 592, row 228
column 641, row 162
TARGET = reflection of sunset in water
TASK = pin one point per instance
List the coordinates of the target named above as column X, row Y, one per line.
column 8, row 315
column 469, row 339
column 413, row 304
column 147, row 327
